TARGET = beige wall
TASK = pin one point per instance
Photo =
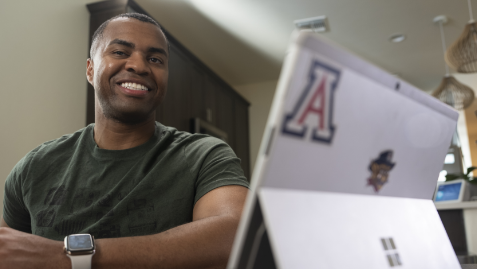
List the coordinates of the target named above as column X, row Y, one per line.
column 44, row 46
column 260, row 96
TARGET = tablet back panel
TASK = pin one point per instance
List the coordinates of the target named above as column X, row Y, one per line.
column 346, row 170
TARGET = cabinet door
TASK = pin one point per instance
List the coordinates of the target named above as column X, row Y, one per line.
column 242, row 135
column 225, row 114
column 211, row 90
column 453, row 221
column 195, row 93
column 173, row 110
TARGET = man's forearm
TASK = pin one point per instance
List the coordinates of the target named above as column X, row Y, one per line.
column 205, row 243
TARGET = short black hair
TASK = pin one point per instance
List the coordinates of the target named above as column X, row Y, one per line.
column 98, row 34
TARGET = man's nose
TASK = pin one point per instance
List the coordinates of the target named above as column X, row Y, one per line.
column 137, row 63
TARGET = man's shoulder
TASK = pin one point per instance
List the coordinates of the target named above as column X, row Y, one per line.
column 63, row 141
column 48, row 152
column 61, row 144
column 189, row 141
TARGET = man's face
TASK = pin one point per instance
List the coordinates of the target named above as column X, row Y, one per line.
column 129, row 70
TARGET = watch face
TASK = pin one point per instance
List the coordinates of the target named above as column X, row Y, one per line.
column 80, row 242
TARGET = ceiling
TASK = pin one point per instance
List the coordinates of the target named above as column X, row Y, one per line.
column 245, row 41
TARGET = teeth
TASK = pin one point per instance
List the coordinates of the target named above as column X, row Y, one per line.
column 134, row 86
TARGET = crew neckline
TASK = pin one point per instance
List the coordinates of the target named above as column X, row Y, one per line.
column 130, row 153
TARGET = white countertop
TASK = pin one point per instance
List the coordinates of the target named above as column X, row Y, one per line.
column 462, row 205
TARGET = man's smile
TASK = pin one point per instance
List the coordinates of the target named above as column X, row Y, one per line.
column 133, row 89
column 134, row 86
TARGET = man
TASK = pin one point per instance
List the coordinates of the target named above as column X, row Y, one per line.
column 153, row 197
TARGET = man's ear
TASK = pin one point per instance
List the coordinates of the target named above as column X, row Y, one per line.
column 90, row 71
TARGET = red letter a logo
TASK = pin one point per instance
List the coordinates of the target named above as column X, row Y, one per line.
column 312, row 114
column 311, row 107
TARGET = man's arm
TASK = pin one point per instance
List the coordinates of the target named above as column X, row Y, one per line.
column 24, row 250
column 204, row 243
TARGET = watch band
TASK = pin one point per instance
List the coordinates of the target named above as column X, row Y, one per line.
column 80, row 261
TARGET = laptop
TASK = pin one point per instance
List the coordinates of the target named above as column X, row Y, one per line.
column 347, row 168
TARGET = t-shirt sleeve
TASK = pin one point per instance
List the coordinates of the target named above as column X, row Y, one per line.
column 219, row 166
column 15, row 213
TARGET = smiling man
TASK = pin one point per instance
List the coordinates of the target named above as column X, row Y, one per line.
column 151, row 196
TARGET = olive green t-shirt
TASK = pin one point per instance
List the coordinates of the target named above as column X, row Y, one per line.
column 69, row 185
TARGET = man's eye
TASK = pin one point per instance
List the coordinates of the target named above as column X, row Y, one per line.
column 155, row 60
column 120, row 53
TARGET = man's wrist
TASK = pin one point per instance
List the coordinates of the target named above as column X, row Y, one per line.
column 60, row 260
column 79, row 248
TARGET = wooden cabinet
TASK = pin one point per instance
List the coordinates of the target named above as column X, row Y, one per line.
column 194, row 91
column 174, row 110
column 241, row 133
column 225, row 115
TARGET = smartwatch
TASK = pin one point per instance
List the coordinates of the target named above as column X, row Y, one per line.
column 80, row 249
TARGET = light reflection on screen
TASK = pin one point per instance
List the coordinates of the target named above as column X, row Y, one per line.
column 448, row 192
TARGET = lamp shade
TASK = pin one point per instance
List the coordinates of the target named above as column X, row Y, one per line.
column 462, row 55
column 454, row 93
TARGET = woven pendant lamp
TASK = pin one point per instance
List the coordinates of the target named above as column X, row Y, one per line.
column 451, row 91
column 454, row 93
column 462, row 55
